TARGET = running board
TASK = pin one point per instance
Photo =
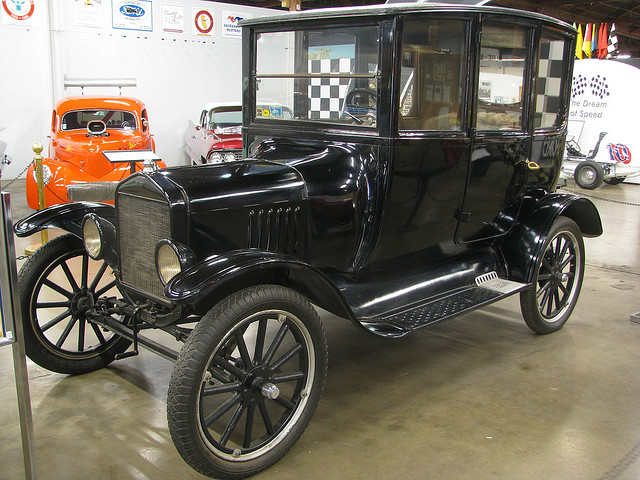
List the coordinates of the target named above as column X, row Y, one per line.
column 489, row 288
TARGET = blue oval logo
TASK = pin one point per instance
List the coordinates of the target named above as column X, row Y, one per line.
column 132, row 11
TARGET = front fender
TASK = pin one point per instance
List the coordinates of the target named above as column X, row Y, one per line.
column 523, row 246
column 216, row 277
column 67, row 216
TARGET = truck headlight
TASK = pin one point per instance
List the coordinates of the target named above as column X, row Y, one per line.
column 171, row 259
column 229, row 157
column 92, row 236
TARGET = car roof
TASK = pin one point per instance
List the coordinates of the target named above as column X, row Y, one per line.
column 398, row 8
column 98, row 102
column 212, row 105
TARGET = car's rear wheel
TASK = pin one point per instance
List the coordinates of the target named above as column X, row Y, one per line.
column 247, row 382
column 59, row 283
column 588, row 175
column 548, row 302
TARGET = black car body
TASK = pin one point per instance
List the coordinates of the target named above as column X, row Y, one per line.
column 414, row 182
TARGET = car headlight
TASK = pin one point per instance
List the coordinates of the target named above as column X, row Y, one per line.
column 92, row 236
column 46, row 175
column 215, row 157
column 171, row 259
column 229, row 157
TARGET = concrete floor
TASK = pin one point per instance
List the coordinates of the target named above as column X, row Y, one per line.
column 478, row 397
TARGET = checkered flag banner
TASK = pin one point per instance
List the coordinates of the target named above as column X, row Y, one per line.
column 612, row 47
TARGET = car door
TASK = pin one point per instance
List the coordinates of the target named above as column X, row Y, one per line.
column 431, row 150
column 501, row 143
column 196, row 143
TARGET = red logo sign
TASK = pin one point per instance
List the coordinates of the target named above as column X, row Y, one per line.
column 204, row 22
column 19, row 9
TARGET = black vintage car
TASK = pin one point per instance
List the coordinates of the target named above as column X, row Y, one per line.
column 415, row 181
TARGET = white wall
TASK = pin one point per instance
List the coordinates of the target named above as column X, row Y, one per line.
column 175, row 73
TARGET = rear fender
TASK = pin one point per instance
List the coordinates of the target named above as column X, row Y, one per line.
column 523, row 246
column 206, row 283
column 66, row 216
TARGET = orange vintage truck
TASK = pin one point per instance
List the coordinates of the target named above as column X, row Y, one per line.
column 81, row 129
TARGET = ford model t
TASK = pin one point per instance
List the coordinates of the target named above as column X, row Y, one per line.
column 413, row 182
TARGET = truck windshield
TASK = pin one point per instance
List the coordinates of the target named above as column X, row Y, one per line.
column 326, row 75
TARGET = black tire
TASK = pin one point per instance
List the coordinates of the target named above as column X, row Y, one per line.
column 588, row 175
column 256, row 338
column 57, row 283
column 614, row 180
column 548, row 302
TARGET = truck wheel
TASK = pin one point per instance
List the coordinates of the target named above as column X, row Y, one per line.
column 588, row 175
column 247, row 382
column 58, row 284
column 548, row 302
column 614, row 180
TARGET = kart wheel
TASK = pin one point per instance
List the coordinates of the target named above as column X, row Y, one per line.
column 58, row 284
column 247, row 382
column 588, row 175
column 548, row 302
column 614, row 180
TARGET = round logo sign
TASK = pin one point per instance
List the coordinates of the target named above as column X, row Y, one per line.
column 204, row 21
column 19, row 9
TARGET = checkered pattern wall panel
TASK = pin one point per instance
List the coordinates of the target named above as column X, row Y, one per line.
column 549, row 86
column 327, row 94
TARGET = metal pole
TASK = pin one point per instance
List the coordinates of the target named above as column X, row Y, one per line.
column 11, row 308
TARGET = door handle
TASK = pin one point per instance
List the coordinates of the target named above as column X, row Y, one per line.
column 532, row 165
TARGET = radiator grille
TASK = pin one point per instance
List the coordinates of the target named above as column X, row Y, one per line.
column 142, row 223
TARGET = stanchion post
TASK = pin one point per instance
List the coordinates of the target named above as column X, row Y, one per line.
column 11, row 311
column 37, row 148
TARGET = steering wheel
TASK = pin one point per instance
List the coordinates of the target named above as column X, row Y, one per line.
column 361, row 98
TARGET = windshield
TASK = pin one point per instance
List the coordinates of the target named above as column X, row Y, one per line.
column 113, row 119
column 224, row 119
column 328, row 75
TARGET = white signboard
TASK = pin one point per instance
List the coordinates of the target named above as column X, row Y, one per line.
column 89, row 13
column 132, row 15
column 604, row 97
column 230, row 27
column 173, row 18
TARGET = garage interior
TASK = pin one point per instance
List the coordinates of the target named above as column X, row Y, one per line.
column 476, row 397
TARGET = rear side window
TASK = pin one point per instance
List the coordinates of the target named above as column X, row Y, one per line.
column 551, row 80
column 503, row 60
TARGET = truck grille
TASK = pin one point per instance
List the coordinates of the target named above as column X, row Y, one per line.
column 142, row 223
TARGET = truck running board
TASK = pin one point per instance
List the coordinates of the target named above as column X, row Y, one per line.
column 489, row 288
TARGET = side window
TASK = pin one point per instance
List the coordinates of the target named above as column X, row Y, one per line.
column 433, row 75
column 551, row 77
column 502, row 77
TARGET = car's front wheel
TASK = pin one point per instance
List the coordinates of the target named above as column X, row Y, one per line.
column 548, row 302
column 59, row 284
column 247, row 382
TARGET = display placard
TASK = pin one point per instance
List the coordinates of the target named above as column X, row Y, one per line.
column 7, row 326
